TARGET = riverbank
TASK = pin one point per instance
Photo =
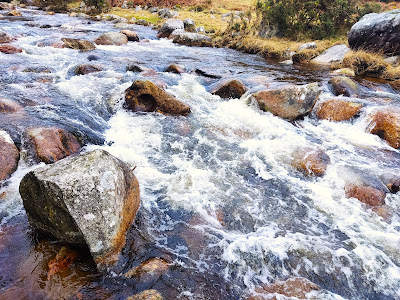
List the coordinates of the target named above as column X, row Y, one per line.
column 235, row 29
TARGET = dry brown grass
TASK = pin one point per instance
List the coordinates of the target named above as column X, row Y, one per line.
column 365, row 63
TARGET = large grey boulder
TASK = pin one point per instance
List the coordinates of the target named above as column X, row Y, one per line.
column 288, row 102
column 86, row 200
column 377, row 32
column 112, row 38
column 191, row 39
column 190, row 25
column 169, row 26
column 332, row 55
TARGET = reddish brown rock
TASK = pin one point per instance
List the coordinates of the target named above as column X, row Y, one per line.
column 51, row 13
column 8, row 49
column 9, row 106
column 386, row 124
column 338, row 110
column 310, row 161
column 5, row 37
column 86, row 69
column 64, row 258
column 289, row 102
column 365, row 194
column 9, row 156
column 131, row 35
column 229, row 89
column 174, row 68
column 145, row 96
column 50, row 144
column 297, row 287
column 147, row 295
column 150, row 269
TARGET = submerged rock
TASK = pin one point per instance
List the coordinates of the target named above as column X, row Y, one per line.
column 192, row 39
column 386, row 124
column 145, row 96
column 377, row 32
column 310, row 161
column 296, row 287
column 112, row 38
column 8, row 49
column 9, row 106
column 365, row 194
column 131, row 35
column 338, row 110
column 5, row 37
column 78, row 44
column 88, row 200
column 147, row 295
column 229, row 89
column 86, row 69
column 50, row 144
column 289, row 102
column 169, row 26
column 177, row 69
column 343, row 85
column 334, row 54
column 152, row 268
column 9, row 156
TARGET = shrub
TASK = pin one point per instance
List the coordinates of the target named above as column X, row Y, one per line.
column 297, row 18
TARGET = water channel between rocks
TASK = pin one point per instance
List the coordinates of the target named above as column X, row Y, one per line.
column 219, row 197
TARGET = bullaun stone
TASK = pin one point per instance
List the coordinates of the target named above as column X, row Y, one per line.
column 87, row 200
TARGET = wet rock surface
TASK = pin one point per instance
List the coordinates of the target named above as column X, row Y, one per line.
column 147, row 295
column 343, row 85
column 9, row 106
column 8, row 49
column 174, row 68
column 9, row 156
column 78, row 44
column 112, row 38
column 289, row 102
column 5, row 37
column 338, row 110
column 89, row 200
column 131, row 35
column 145, row 96
column 365, row 194
column 386, row 124
column 229, row 89
column 87, row 69
column 310, row 161
column 50, row 144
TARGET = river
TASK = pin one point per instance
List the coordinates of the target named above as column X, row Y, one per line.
column 219, row 197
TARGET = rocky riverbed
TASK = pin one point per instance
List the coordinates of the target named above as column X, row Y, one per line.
column 257, row 179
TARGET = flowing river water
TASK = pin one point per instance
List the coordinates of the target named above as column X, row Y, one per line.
column 219, row 197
